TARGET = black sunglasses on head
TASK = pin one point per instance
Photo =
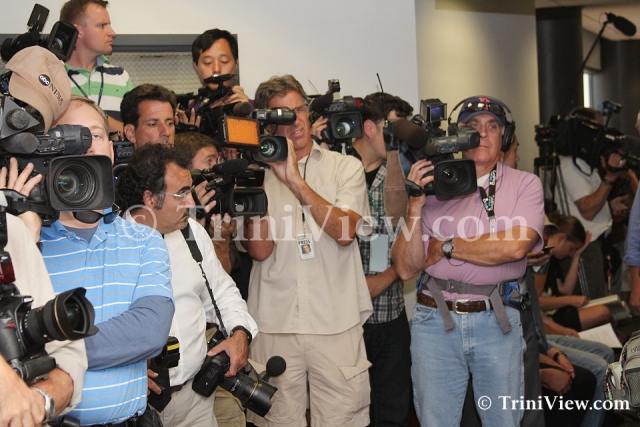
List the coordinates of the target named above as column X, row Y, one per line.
column 483, row 106
column 91, row 217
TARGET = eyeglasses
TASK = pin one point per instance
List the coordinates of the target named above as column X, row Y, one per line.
column 91, row 217
column 303, row 109
column 483, row 106
column 181, row 195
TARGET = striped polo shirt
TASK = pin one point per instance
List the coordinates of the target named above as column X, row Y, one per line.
column 123, row 262
column 106, row 85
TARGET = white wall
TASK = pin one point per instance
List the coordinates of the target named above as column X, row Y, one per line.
column 316, row 41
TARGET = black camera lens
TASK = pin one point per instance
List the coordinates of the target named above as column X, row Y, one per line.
column 454, row 178
column 69, row 316
column 344, row 128
column 254, row 395
column 75, row 184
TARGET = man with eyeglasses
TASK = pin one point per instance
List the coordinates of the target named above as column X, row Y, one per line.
column 310, row 306
column 156, row 189
column 471, row 251
column 125, row 269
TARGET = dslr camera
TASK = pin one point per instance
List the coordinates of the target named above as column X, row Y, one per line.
column 60, row 42
column 254, row 395
column 24, row 330
column 422, row 138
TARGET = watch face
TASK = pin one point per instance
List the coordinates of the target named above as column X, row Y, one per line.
column 447, row 248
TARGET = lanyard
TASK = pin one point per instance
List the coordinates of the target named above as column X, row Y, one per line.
column 70, row 73
column 488, row 201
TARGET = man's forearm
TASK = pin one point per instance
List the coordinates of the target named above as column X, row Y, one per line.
column 408, row 249
column 378, row 283
column 493, row 249
column 257, row 241
column 590, row 205
column 60, row 386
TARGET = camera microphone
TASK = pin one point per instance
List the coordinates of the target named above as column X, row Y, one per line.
column 276, row 366
column 321, row 103
column 232, row 166
column 410, row 133
column 242, row 109
column 20, row 143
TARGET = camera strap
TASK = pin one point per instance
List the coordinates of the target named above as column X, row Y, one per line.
column 488, row 201
column 197, row 257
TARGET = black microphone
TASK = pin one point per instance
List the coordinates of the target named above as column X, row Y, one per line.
column 410, row 133
column 241, row 109
column 276, row 116
column 622, row 24
column 276, row 366
column 321, row 103
column 20, row 143
column 232, row 166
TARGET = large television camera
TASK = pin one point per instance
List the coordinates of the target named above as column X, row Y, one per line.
column 585, row 138
column 60, row 42
column 254, row 395
column 24, row 330
column 237, row 188
column 344, row 119
column 422, row 138
column 71, row 181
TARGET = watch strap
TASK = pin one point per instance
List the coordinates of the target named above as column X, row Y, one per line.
column 245, row 330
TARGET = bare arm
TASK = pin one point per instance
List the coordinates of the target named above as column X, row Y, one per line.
column 379, row 283
column 408, row 249
column 590, row 205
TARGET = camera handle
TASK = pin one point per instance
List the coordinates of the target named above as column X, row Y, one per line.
column 197, row 257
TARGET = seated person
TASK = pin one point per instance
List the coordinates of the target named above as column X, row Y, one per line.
column 569, row 239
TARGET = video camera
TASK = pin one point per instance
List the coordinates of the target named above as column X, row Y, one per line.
column 71, row 181
column 60, row 42
column 254, row 395
column 24, row 331
column 584, row 138
column 223, row 178
column 422, row 138
column 344, row 117
column 249, row 136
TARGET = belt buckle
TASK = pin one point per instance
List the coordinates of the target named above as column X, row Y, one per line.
column 455, row 306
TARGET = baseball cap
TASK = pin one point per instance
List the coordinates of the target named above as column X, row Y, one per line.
column 476, row 105
column 39, row 79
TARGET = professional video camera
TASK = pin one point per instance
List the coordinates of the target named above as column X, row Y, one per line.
column 344, row 116
column 254, row 395
column 249, row 136
column 24, row 331
column 71, row 181
column 60, row 42
column 423, row 138
column 248, row 201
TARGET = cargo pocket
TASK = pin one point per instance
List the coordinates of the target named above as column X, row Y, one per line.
column 357, row 392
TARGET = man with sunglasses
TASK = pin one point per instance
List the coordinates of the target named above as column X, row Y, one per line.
column 156, row 188
column 310, row 306
column 471, row 251
column 125, row 269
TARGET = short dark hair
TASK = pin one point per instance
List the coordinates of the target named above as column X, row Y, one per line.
column 567, row 224
column 277, row 86
column 191, row 142
column 373, row 104
column 205, row 40
column 73, row 10
column 146, row 171
column 145, row 92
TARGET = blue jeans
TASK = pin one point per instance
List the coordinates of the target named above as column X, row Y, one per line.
column 442, row 361
column 591, row 356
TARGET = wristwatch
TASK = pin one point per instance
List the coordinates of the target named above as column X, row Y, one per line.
column 447, row 248
column 49, row 405
column 245, row 330
column 557, row 355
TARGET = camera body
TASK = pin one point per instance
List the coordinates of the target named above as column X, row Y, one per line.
column 254, row 395
column 24, row 331
column 344, row 117
column 452, row 177
column 248, row 200
column 249, row 136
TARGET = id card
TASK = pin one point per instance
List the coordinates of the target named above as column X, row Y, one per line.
column 379, row 260
column 305, row 248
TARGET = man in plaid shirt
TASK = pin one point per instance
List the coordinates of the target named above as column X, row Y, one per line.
column 386, row 333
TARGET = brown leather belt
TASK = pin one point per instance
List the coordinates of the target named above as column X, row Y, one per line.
column 459, row 306
column 176, row 388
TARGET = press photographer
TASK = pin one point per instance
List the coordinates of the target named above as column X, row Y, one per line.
column 61, row 391
column 156, row 190
column 584, row 142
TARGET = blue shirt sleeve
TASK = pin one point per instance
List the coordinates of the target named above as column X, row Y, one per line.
column 136, row 334
column 632, row 257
